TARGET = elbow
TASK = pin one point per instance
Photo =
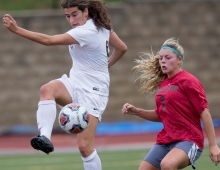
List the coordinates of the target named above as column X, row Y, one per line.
column 124, row 48
column 47, row 43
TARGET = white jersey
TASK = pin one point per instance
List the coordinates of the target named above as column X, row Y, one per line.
column 90, row 58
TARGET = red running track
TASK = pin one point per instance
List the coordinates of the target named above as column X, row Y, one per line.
column 65, row 142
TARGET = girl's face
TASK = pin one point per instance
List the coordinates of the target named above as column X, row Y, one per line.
column 75, row 17
column 170, row 63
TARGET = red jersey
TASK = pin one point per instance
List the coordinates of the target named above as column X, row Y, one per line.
column 180, row 100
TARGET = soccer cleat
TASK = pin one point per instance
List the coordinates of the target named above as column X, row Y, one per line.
column 42, row 143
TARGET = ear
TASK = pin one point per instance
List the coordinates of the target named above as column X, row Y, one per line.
column 179, row 60
column 86, row 12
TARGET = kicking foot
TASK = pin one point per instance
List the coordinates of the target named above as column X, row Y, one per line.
column 42, row 143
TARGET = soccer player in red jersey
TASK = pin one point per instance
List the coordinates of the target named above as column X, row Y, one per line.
column 180, row 105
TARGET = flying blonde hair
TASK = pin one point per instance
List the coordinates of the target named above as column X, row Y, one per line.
column 149, row 68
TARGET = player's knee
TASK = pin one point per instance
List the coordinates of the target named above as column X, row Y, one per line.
column 45, row 91
column 84, row 148
column 167, row 165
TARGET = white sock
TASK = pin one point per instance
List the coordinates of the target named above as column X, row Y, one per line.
column 92, row 162
column 46, row 115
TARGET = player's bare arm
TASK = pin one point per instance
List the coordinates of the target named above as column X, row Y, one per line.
column 119, row 48
column 214, row 151
column 61, row 39
column 145, row 114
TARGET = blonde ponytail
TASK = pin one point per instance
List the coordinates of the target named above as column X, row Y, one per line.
column 150, row 72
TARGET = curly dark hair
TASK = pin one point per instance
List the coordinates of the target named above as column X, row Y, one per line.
column 98, row 11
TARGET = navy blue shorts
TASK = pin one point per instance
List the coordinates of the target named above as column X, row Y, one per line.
column 159, row 151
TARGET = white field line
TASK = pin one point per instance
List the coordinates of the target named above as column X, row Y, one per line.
column 115, row 147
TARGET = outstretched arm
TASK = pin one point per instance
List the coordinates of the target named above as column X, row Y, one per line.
column 145, row 114
column 119, row 48
column 61, row 39
column 214, row 151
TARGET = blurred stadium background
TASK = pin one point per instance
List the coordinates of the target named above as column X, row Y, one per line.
column 25, row 66
column 33, row 5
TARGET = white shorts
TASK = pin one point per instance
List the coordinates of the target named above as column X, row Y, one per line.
column 94, row 103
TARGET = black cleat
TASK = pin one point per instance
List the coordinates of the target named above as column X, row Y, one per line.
column 42, row 143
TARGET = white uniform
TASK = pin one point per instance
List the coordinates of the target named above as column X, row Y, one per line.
column 89, row 80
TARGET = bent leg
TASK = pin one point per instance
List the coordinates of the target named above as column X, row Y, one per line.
column 85, row 142
column 95, row 105
column 46, row 113
column 175, row 159
column 182, row 154
column 85, row 139
column 154, row 157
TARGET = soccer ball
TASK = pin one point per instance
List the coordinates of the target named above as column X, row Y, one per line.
column 73, row 118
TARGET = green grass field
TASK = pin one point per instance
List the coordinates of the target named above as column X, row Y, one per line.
column 111, row 160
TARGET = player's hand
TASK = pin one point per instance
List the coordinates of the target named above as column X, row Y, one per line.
column 214, row 154
column 129, row 109
column 10, row 23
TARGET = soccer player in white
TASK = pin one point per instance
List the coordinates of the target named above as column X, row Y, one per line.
column 88, row 81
